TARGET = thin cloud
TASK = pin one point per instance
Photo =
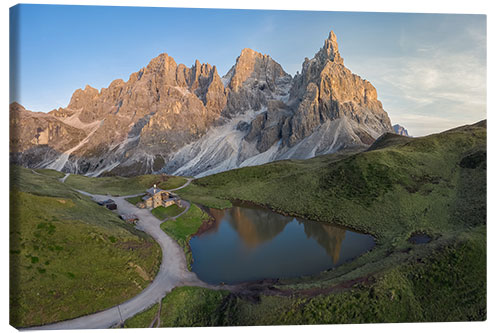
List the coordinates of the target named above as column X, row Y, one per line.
column 437, row 82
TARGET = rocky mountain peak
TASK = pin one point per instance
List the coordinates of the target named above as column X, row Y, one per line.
column 326, row 91
column 16, row 107
column 81, row 97
column 248, row 53
column 330, row 50
column 253, row 66
column 245, row 65
column 253, row 80
column 332, row 36
column 187, row 120
column 88, row 88
column 400, row 130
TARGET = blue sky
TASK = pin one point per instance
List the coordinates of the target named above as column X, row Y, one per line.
column 429, row 69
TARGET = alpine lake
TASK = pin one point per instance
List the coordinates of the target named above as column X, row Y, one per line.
column 249, row 243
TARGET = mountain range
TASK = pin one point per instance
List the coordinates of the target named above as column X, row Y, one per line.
column 191, row 121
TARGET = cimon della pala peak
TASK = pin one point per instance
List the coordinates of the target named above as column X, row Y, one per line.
column 191, row 121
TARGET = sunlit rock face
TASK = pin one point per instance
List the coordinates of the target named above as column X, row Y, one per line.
column 189, row 121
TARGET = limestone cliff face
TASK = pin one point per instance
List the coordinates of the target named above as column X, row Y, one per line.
column 325, row 95
column 326, row 90
column 253, row 81
column 39, row 135
column 158, row 110
column 188, row 120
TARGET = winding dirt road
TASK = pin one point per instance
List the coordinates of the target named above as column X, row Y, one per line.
column 173, row 273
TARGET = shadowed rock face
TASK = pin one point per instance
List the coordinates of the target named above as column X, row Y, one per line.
column 39, row 135
column 254, row 80
column 193, row 122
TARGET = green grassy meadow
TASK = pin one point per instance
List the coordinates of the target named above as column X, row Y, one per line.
column 401, row 186
column 411, row 185
column 185, row 307
column 162, row 213
column 116, row 185
column 69, row 256
column 447, row 285
column 182, row 228
column 135, row 200
column 51, row 173
column 172, row 182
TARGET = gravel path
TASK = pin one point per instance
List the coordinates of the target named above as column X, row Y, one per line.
column 63, row 179
column 173, row 273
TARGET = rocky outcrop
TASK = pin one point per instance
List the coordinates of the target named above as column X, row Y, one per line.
column 158, row 110
column 38, row 137
column 188, row 120
column 398, row 129
column 324, row 92
column 253, row 81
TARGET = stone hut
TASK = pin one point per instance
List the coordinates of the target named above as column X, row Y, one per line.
column 156, row 197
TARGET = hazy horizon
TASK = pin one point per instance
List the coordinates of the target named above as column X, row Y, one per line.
column 429, row 69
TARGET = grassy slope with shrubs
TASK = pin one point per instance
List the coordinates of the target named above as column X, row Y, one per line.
column 69, row 256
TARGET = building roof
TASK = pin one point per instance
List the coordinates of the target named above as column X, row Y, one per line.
column 111, row 206
column 129, row 217
column 154, row 190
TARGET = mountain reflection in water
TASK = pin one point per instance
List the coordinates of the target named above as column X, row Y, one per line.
column 256, row 226
column 250, row 243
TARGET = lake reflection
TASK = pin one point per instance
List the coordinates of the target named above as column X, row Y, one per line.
column 251, row 243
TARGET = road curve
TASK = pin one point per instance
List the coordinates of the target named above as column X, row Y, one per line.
column 173, row 273
column 189, row 180
column 63, row 179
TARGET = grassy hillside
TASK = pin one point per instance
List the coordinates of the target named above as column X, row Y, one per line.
column 448, row 285
column 162, row 213
column 51, row 173
column 123, row 185
column 69, row 256
column 185, row 307
column 401, row 186
column 409, row 185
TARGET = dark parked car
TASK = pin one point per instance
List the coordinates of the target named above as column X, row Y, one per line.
column 111, row 206
column 105, row 202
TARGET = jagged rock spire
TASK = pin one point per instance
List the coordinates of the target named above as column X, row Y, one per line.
column 330, row 50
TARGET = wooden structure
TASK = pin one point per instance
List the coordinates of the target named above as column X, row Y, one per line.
column 130, row 218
